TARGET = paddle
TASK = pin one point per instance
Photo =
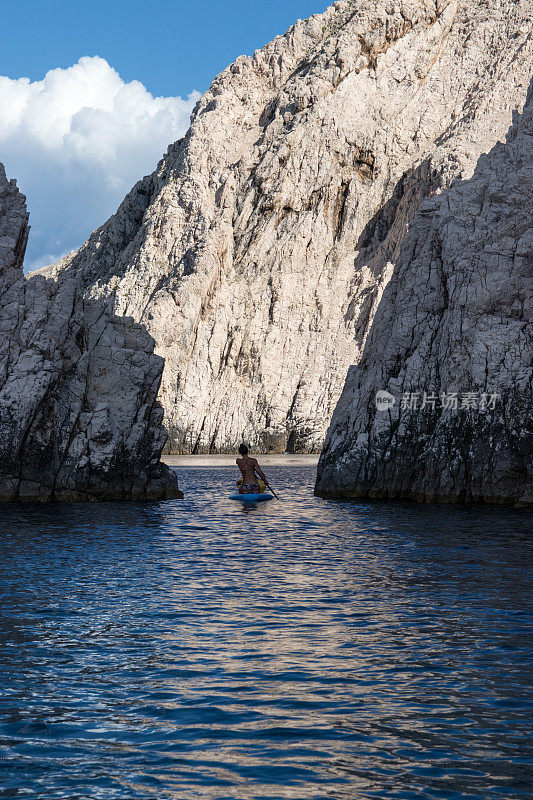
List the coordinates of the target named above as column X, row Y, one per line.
column 271, row 489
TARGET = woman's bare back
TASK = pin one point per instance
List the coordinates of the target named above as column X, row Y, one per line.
column 248, row 467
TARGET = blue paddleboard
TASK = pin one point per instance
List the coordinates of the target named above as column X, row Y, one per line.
column 251, row 498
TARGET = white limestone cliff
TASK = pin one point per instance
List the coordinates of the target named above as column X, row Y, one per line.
column 79, row 416
column 257, row 252
column 452, row 343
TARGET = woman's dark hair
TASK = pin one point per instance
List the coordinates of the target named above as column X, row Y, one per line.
column 243, row 450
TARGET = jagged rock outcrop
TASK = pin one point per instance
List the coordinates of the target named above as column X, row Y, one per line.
column 79, row 416
column 258, row 251
column 451, row 342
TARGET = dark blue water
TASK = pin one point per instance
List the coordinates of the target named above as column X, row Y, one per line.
column 296, row 649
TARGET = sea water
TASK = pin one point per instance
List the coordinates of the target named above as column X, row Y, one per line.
column 299, row 648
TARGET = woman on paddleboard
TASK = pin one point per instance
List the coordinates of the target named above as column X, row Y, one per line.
column 249, row 469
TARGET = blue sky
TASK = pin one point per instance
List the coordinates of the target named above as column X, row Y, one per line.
column 92, row 93
column 171, row 47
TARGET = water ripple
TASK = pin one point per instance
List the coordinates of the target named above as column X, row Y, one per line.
column 299, row 649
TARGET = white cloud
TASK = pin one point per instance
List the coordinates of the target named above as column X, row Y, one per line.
column 77, row 141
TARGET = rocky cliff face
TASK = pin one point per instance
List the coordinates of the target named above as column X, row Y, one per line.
column 450, row 342
column 79, row 419
column 258, row 251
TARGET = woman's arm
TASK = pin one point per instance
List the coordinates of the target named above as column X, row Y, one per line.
column 259, row 471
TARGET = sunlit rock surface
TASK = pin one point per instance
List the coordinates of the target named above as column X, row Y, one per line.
column 257, row 252
column 454, row 325
column 79, row 418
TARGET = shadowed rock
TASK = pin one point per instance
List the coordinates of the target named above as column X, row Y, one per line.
column 79, row 418
column 454, row 325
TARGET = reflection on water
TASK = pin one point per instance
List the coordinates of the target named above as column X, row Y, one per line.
column 294, row 649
